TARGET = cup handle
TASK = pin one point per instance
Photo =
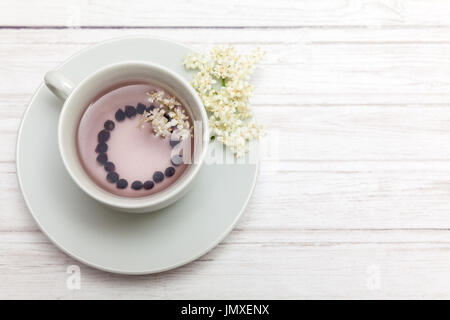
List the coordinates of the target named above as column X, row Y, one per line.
column 58, row 84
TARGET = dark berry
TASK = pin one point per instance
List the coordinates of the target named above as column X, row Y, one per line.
column 130, row 111
column 158, row 176
column 103, row 136
column 148, row 184
column 122, row 184
column 109, row 125
column 170, row 171
column 173, row 143
column 102, row 147
column 112, row 177
column 102, row 158
column 140, row 108
column 109, row 166
column 136, row 185
column 166, row 115
column 176, row 160
column 120, row 115
column 150, row 108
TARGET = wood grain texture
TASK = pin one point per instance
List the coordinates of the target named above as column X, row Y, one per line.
column 305, row 67
column 356, row 167
column 233, row 13
column 298, row 267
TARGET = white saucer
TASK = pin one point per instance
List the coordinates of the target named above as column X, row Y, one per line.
column 106, row 239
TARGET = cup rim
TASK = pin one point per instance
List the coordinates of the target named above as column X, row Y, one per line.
column 156, row 198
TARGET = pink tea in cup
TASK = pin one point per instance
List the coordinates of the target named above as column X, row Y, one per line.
column 131, row 139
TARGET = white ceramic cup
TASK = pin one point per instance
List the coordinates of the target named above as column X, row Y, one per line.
column 77, row 97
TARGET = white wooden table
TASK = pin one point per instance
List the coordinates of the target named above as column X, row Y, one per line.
column 357, row 205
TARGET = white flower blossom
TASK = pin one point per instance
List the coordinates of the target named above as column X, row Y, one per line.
column 222, row 81
column 166, row 116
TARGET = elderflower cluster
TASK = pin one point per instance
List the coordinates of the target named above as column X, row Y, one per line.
column 222, row 81
column 169, row 115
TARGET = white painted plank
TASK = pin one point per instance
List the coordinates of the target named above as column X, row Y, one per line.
column 233, row 13
column 329, row 195
column 238, row 270
column 346, row 70
column 82, row 37
column 356, row 133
